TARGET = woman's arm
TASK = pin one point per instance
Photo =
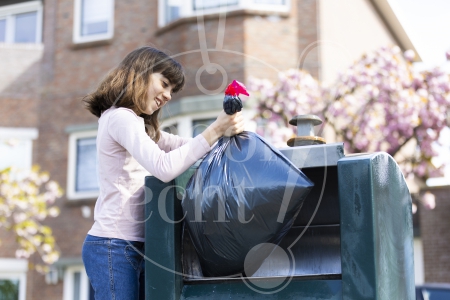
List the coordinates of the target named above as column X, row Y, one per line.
column 129, row 131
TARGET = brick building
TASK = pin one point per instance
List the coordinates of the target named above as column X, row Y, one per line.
column 435, row 236
column 54, row 52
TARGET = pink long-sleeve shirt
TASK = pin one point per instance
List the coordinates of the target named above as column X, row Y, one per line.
column 126, row 154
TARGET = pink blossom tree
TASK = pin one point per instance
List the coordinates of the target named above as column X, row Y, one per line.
column 380, row 103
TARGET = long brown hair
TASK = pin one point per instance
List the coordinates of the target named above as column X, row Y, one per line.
column 127, row 85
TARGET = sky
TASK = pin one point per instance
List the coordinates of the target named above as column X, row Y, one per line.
column 427, row 22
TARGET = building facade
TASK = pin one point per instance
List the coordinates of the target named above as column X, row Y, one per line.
column 54, row 52
column 435, row 236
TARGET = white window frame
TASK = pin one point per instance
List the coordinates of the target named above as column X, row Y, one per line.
column 419, row 270
column 24, row 135
column 15, row 269
column 72, row 194
column 7, row 12
column 69, row 274
column 78, row 38
column 186, row 9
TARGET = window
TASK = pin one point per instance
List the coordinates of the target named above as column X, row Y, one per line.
column 3, row 31
column 93, row 20
column 21, row 23
column 173, row 129
column 171, row 10
column 16, row 145
column 419, row 273
column 9, row 289
column 82, row 180
column 189, row 123
column 13, row 278
column 276, row 2
column 198, row 126
column 205, row 4
column 436, row 294
column 76, row 284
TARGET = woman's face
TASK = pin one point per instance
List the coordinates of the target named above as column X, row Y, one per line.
column 159, row 92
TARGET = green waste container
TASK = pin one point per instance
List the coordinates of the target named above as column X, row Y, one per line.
column 352, row 239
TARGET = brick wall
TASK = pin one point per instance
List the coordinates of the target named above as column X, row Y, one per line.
column 435, row 234
column 67, row 72
column 308, row 35
column 182, row 42
column 19, row 84
column 271, row 45
column 279, row 42
column 71, row 71
column 254, row 44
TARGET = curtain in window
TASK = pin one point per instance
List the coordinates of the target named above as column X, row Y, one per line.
column 86, row 165
column 25, row 28
column 2, row 31
column 172, row 10
column 15, row 152
column 95, row 16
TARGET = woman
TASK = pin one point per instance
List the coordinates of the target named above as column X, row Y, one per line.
column 129, row 146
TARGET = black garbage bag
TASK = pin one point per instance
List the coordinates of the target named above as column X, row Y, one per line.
column 244, row 193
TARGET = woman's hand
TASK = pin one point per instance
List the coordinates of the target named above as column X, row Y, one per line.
column 224, row 125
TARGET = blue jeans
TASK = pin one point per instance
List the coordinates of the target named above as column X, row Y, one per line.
column 115, row 267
